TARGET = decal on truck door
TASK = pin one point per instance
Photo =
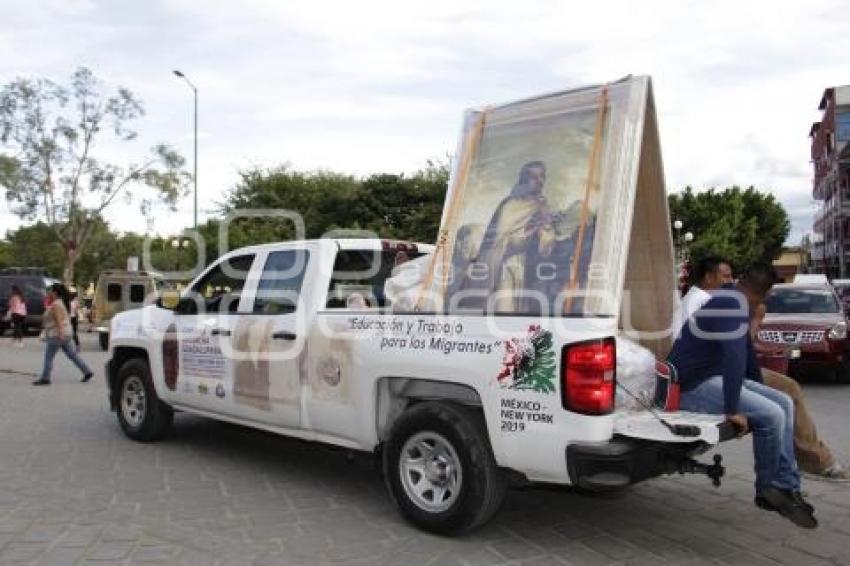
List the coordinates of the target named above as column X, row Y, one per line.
column 201, row 356
column 171, row 357
column 529, row 362
column 251, row 385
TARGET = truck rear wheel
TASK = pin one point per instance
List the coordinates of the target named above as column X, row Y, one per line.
column 440, row 470
column 141, row 414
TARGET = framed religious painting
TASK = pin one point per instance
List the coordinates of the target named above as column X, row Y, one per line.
column 547, row 200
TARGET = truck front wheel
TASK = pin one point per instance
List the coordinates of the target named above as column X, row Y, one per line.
column 141, row 414
column 440, row 470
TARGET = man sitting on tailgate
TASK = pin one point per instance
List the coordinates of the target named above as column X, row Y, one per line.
column 713, row 355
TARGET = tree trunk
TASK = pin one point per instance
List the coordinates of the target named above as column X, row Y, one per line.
column 71, row 254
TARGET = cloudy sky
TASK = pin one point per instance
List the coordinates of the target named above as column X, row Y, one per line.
column 380, row 86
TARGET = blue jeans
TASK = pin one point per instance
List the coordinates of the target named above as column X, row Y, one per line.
column 53, row 346
column 771, row 418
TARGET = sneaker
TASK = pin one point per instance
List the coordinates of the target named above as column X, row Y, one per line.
column 763, row 503
column 836, row 473
column 41, row 382
column 788, row 504
column 798, row 497
column 87, row 377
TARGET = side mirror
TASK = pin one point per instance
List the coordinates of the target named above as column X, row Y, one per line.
column 168, row 300
column 172, row 301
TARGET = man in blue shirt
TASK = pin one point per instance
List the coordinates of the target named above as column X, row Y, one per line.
column 719, row 374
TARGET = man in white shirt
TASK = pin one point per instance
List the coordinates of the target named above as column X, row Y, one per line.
column 709, row 273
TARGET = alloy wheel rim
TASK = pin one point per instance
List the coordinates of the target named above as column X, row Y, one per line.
column 133, row 401
column 431, row 472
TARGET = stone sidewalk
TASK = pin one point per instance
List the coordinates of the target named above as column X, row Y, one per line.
column 74, row 490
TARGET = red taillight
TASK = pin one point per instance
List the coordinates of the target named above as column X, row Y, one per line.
column 588, row 377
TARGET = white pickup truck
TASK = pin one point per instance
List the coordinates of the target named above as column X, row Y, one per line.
column 297, row 338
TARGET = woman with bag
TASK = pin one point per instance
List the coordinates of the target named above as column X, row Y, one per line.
column 17, row 315
column 57, row 331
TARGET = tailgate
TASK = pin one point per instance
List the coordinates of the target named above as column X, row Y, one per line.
column 646, row 426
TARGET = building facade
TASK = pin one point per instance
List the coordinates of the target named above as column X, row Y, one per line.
column 830, row 251
column 790, row 262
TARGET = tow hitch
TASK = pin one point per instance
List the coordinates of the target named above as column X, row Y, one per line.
column 714, row 471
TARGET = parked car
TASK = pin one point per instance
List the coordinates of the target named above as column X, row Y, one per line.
column 119, row 290
column 809, row 321
column 33, row 282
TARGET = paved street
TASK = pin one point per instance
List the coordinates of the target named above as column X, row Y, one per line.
column 74, row 490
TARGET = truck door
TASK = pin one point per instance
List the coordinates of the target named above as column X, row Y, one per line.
column 201, row 336
column 333, row 398
column 269, row 343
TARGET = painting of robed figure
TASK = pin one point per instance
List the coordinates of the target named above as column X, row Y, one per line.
column 526, row 226
column 557, row 206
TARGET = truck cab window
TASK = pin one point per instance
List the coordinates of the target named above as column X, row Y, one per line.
column 358, row 278
column 280, row 285
column 220, row 289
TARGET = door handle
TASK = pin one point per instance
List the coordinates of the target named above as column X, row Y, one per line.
column 220, row 332
column 284, row 335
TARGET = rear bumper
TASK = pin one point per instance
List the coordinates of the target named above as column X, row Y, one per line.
column 624, row 461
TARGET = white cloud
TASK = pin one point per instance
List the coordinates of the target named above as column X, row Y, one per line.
column 380, row 86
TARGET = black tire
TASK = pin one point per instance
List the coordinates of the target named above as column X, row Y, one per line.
column 141, row 414
column 481, row 487
column 104, row 341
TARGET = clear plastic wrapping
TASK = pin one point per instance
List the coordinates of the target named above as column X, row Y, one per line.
column 636, row 379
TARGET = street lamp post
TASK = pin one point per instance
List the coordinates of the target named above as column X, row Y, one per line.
column 678, row 226
column 689, row 237
column 195, row 174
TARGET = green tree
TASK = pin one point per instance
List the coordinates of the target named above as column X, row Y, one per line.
column 744, row 225
column 5, row 254
column 390, row 205
column 322, row 198
column 49, row 137
column 404, row 207
column 35, row 246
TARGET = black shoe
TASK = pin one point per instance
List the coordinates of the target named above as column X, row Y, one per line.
column 799, row 498
column 86, row 377
column 762, row 503
column 788, row 504
column 41, row 382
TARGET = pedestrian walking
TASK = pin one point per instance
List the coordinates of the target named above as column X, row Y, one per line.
column 57, row 328
column 74, row 312
column 17, row 315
